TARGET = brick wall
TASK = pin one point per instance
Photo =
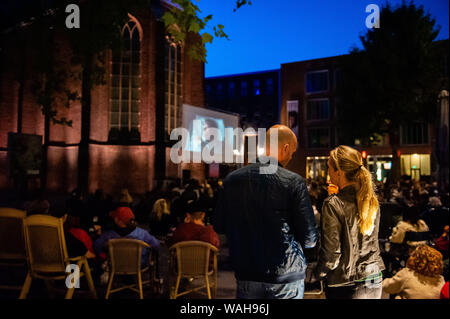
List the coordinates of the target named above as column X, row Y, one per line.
column 113, row 167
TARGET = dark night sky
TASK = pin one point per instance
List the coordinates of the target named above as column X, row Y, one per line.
column 271, row 32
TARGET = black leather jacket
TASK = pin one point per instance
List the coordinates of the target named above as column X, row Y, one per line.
column 345, row 254
column 268, row 221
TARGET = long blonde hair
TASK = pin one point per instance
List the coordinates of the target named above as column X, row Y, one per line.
column 350, row 161
column 160, row 207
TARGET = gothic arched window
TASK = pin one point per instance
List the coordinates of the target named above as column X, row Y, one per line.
column 125, row 86
column 172, row 85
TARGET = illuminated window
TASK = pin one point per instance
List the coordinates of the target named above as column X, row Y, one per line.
column 410, row 164
column 173, row 87
column 125, row 85
column 256, row 89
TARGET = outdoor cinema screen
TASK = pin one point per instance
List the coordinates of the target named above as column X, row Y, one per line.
column 197, row 120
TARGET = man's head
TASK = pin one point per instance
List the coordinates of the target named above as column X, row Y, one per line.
column 287, row 143
column 195, row 213
column 123, row 216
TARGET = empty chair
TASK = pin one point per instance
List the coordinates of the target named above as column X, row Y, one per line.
column 193, row 261
column 12, row 245
column 47, row 254
column 125, row 259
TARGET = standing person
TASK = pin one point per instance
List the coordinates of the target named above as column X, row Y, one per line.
column 349, row 255
column 268, row 221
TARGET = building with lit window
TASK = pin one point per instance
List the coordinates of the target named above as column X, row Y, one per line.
column 309, row 98
column 126, row 131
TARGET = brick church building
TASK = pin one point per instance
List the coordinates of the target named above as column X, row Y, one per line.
column 130, row 116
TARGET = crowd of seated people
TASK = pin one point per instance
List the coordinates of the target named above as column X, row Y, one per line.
column 91, row 221
column 183, row 211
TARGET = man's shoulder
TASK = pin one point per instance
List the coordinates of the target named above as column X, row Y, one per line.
column 254, row 169
column 139, row 232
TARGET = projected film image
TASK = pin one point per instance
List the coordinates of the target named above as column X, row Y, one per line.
column 199, row 132
column 199, row 120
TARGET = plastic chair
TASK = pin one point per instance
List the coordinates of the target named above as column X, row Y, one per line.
column 125, row 259
column 47, row 254
column 12, row 244
column 192, row 261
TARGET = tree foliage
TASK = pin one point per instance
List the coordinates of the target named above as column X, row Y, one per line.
column 394, row 79
column 184, row 18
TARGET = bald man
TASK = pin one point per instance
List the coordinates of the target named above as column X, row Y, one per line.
column 268, row 221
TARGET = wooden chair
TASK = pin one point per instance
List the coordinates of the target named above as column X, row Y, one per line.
column 47, row 254
column 125, row 259
column 12, row 245
column 192, row 261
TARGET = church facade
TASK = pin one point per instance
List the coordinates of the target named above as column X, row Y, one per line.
column 124, row 136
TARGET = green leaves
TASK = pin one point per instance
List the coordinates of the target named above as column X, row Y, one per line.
column 240, row 3
column 185, row 19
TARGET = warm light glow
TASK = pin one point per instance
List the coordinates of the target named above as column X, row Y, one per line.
column 260, row 151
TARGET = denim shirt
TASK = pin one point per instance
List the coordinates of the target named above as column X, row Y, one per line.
column 101, row 244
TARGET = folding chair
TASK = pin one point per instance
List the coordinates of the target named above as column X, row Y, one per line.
column 192, row 261
column 125, row 259
column 47, row 254
column 12, row 245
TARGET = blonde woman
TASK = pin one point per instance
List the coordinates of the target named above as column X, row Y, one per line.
column 349, row 256
column 160, row 219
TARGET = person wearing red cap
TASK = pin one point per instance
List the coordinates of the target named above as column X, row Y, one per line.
column 125, row 227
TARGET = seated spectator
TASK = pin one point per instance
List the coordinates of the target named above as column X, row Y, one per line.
column 38, row 205
column 75, row 236
column 160, row 219
column 420, row 279
column 194, row 228
column 125, row 227
column 410, row 223
column 442, row 243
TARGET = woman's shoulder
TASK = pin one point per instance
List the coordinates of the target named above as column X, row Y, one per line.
column 332, row 203
column 332, row 200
